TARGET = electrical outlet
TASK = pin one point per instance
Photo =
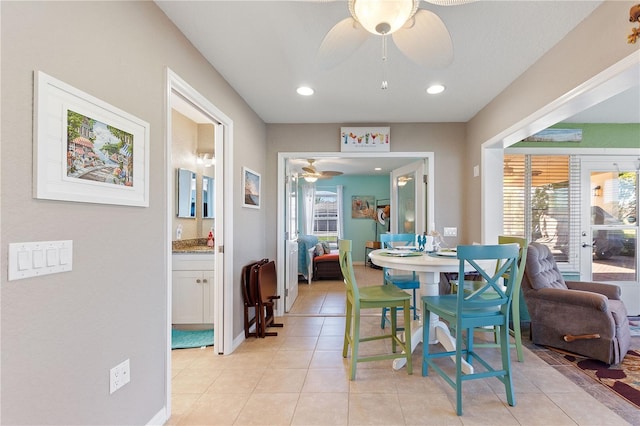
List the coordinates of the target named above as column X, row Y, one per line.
column 119, row 376
column 450, row 232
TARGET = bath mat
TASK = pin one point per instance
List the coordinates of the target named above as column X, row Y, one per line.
column 183, row 339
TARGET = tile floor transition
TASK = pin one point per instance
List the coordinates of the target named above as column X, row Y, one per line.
column 300, row 378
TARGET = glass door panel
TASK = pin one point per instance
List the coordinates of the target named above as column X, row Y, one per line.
column 614, row 227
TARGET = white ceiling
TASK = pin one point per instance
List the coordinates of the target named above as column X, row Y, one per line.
column 265, row 49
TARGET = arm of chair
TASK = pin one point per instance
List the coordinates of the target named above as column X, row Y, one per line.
column 580, row 298
column 609, row 290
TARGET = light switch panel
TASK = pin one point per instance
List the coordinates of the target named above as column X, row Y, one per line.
column 39, row 258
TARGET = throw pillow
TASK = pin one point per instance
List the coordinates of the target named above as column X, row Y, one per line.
column 319, row 249
column 325, row 247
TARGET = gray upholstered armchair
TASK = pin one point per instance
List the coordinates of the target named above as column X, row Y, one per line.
column 581, row 317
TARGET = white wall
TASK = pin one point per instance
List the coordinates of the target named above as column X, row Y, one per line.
column 62, row 333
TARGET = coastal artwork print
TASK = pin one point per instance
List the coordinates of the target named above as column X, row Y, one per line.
column 251, row 188
column 97, row 151
column 363, row 206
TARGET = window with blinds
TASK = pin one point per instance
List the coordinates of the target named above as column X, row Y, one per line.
column 542, row 203
column 325, row 220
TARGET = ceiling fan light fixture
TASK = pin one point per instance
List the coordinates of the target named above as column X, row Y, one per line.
column 310, row 179
column 382, row 16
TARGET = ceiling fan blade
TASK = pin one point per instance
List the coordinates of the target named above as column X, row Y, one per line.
column 331, row 173
column 426, row 42
column 340, row 42
column 310, row 169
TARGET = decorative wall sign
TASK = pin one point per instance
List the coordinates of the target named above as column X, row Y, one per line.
column 556, row 135
column 86, row 150
column 361, row 139
column 250, row 188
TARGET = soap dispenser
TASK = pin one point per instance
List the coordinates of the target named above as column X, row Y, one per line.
column 210, row 239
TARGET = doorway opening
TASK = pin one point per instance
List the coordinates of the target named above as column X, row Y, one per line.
column 286, row 233
column 216, row 203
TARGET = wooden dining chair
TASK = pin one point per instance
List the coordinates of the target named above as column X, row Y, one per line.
column 405, row 281
column 372, row 297
column 489, row 305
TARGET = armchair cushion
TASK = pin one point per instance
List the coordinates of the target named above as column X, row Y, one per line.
column 542, row 270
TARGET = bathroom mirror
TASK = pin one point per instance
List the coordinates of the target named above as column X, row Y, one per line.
column 208, row 198
column 186, row 185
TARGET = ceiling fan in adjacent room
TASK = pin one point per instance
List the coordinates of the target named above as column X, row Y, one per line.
column 419, row 33
column 311, row 174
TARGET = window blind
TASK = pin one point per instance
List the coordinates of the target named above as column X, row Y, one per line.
column 542, row 203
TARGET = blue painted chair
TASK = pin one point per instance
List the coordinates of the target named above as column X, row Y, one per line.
column 374, row 297
column 405, row 281
column 515, row 331
column 488, row 306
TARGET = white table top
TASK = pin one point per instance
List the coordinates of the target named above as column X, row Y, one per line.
column 423, row 263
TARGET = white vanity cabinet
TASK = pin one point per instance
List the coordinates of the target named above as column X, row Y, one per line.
column 193, row 292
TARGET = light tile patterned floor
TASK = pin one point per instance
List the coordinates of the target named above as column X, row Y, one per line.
column 300, row 378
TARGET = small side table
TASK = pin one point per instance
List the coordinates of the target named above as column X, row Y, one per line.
column 368, row 247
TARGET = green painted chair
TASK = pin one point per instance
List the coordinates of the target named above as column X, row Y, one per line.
column 488, row 306
column 375, row 297
column 517, row 302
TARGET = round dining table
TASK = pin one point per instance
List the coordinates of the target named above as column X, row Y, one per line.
column 428, row 266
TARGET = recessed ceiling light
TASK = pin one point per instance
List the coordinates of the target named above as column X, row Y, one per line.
column 304, row 91
column 377, row 169
column 435, row 89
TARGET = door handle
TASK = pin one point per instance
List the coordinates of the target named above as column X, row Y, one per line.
column 586, row 245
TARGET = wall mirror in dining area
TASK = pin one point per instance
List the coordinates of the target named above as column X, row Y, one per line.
column 186, row 193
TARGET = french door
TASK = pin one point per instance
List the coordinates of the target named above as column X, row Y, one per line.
column 609, row 225
column 408, row 199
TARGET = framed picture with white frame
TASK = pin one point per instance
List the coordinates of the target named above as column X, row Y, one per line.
column 251, row 188
column 86, row 150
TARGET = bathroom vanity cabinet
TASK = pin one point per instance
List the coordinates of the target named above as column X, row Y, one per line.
column 193, row 292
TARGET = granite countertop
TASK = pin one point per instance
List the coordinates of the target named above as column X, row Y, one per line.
column 196, row 245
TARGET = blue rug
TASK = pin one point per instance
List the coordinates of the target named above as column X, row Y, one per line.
column 182, row 339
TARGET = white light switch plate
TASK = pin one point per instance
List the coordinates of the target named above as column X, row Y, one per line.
column 39, row 258
column 450, row 232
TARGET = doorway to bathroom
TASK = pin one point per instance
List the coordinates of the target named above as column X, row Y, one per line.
column 211, row 202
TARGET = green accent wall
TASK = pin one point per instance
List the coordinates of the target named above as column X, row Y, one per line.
column 625, row 135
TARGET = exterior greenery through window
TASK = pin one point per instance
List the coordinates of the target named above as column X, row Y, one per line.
column 325, row 218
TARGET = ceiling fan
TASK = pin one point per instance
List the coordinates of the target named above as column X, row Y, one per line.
column 419, row 33
column 311, row 174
